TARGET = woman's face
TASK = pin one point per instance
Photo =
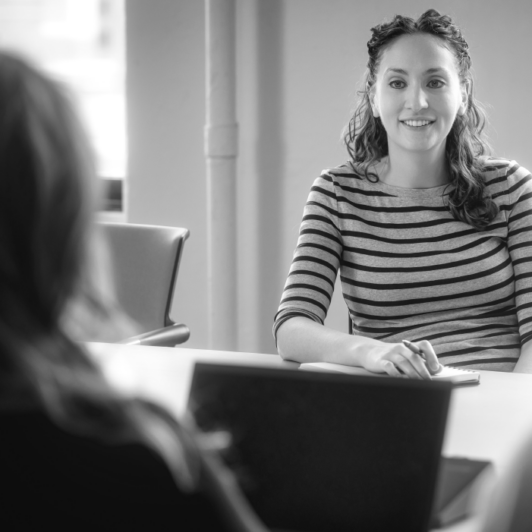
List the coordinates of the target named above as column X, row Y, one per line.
column 418, row 94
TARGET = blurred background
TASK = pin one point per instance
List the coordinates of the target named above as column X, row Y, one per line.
column 137, row 69
column 80, row 43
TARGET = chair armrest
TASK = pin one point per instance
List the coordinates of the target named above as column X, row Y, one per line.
column 165, row 337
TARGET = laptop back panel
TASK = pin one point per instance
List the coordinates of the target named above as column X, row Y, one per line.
column 320, row 451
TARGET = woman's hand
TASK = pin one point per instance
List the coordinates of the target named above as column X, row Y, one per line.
column 303, row 340
column 398, row 360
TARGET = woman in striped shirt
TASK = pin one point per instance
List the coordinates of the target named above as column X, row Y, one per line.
column 431, row 236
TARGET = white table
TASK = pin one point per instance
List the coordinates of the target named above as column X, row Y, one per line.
column 487, row 421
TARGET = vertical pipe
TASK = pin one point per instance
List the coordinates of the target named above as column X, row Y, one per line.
column 221, row 143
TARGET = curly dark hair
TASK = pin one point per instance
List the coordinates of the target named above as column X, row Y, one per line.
column 366, row 139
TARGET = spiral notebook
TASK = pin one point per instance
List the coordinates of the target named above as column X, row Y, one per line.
column 447, row 373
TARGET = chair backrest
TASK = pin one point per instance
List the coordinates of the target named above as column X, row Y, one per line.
column 145, row 262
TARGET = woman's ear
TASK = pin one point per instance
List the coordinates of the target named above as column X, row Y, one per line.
column 374, row 107
column 465, row 98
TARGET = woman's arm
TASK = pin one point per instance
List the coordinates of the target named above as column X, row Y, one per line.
column 520, row 248
column 308, row 291
column 524, row 364
column 304, row 340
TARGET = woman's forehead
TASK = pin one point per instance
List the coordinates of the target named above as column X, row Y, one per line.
column 418, row 53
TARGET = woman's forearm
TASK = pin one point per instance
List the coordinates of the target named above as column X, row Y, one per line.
column 304, row 340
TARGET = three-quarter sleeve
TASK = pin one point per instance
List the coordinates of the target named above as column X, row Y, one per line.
column 520, row 246
column 310, row 283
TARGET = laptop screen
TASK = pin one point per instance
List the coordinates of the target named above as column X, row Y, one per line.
column 319, row 451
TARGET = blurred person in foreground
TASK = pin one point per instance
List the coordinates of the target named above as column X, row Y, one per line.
column 76, row 453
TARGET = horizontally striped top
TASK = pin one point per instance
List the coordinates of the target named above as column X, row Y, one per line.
column 410, row 270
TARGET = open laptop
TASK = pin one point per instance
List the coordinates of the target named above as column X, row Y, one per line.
column 321, row 452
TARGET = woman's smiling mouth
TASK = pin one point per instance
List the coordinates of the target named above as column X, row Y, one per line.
column 416, row 123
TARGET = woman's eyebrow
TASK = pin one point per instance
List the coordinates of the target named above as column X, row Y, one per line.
column 432, row 70
column 396, row 71
column 436, row 70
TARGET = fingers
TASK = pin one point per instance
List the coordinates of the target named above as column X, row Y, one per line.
column 431, row 359
column 399, row 365
column 390, row 368
column 411, row 364
column 409, row 360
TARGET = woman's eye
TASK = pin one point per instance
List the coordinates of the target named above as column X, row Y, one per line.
column 397, row 84
column 436, row 84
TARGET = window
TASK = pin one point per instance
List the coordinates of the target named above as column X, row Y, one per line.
column 81, row 43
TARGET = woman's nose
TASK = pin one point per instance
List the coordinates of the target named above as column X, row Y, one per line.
column 416, row 99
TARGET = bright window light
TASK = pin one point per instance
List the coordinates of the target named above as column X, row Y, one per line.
column 80, row 43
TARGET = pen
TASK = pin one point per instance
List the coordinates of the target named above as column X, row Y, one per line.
column 415, row 349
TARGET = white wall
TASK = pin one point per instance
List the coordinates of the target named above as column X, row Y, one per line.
column 298, row 65
column 166, row 114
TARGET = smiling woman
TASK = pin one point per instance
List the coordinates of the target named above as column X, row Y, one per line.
column 417, row 103
column 432, row 237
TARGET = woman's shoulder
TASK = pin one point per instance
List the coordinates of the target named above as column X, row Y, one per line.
column 499, row 169
column 343, row 177
column 506, row 180
column 346, row 171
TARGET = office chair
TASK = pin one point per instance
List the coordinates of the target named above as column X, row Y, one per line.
column 145, row 262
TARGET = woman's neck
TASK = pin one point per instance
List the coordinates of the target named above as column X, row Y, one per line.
column 424, row 170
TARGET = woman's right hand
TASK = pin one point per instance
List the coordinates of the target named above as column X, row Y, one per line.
column 398, row 360
column 303, row 340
